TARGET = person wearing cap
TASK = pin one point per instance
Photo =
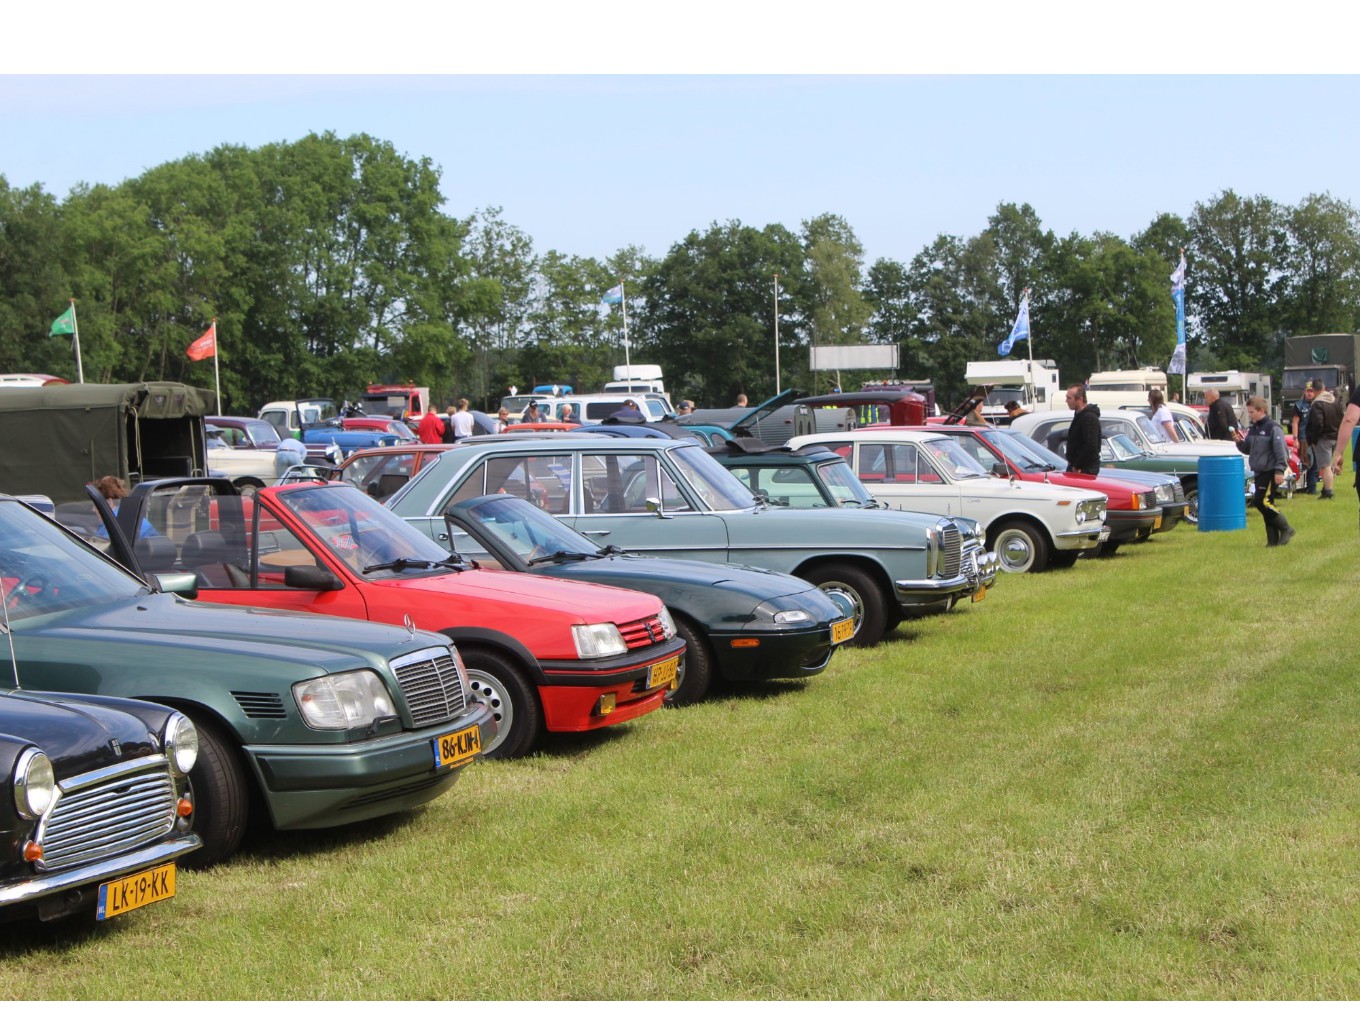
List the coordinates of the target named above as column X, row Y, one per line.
column 684, row 407
column 531, row 413
column 629, row 412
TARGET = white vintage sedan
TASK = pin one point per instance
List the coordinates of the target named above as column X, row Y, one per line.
column 1029, row 525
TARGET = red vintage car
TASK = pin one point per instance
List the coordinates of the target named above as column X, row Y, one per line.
column 383, row 470
column 1133, row 511
column 544, row 653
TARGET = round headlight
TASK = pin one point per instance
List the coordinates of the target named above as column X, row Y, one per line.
column 35, row 784
column 180, row 739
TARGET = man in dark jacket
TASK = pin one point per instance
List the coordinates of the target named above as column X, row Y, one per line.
column 1083, row 438
column 1324, row 421
column 1222, row 421
column 1267, row 458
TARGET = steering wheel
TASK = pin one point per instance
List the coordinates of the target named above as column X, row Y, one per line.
column 20, row 592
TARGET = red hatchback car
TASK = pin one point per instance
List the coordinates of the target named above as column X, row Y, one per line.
column 544, row 653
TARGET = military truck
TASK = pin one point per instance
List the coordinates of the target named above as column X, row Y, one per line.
column 1330, row 357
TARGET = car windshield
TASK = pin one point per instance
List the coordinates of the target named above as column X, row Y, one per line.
column 1144, row 425
column 1122, row 447
column 710, row 481
column 958, row 463
column 261, row 433
column 523, row 531
column 1022, row 451
column 844, row 484
column 45, row 570
column 372, row 540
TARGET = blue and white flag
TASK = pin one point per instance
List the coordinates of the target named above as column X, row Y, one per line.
column 1020, row 331
column 1177, row 366
column 613, row 296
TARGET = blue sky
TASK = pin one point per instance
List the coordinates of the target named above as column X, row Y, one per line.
column 588, row 163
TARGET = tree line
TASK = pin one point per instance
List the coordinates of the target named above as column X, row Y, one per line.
column 328, row 264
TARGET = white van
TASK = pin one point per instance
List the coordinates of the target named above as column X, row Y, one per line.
column 588, row 408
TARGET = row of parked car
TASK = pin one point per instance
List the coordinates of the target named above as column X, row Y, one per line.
column 507, row 587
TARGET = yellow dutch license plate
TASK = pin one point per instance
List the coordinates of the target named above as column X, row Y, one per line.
column 124, row 894
column 842, row 630
column 1156, row 524
column 979, row 595
column 457, row 747
column 664, row 674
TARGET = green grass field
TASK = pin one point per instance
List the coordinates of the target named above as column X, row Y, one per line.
column 1132, row 779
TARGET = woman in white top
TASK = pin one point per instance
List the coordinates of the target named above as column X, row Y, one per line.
column 1161, row 418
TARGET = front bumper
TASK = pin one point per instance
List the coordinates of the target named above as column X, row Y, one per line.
column 315, row 786
column 55, row 883
column 1125, row 525
column 779, row 653
column 1080, row 538
column 573, row 691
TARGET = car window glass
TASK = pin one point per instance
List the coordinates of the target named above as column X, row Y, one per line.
column 902, row 463
column 544, row 481
column 873, row 462
column 275, row 549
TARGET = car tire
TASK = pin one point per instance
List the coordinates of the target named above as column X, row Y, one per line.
column 221, row 797
column 500, row 683
column 871, row 607
column 696, row 672
column 1108, row 549
column 1192, row 505
column 1020, row 548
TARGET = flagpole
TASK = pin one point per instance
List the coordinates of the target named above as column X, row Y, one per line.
column 75, row 332
column 217, row 379
column 627, row 354
column 1029, row 332
column 778, row 385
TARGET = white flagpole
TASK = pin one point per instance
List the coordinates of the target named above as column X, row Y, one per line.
column 75, row 332
column 217, row 379
column 627, row 354
column 1029, row 324
column 778, row 387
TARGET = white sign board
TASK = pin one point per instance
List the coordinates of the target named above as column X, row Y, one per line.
column 840, row 357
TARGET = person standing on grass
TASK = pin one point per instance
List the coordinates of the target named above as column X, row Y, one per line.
column 1324, row 424
column 1083, row 437
column 1267, row 458
column 461, row 421
column 1298, row 428
column 1348, row 423
column 1222, row 421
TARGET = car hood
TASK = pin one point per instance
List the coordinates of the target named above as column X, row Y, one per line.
column 630, row 569
column 1093, row 483
column 213, row 638
column 1213, row 448
column 76, row 735
column 533, row 595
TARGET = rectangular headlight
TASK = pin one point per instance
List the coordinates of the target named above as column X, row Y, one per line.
column 343, row 701
column 597, row 640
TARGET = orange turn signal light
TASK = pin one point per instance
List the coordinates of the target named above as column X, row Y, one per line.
column 185, row 807
column 745, row 642
column 32, row 852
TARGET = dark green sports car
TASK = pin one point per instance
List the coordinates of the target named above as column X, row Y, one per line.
column 740, row 623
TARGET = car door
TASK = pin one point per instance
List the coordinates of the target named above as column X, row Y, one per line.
column 904, row 476
column 615, row 489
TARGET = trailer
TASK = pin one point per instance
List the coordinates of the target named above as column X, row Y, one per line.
column 1031, row 384
column 1235, row 387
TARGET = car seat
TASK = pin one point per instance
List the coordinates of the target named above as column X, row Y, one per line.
column 155, row 553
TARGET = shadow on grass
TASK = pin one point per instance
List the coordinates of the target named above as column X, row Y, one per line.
column 264, row 845
column 19, row 935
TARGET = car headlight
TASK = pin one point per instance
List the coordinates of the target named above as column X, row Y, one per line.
column 343, row 701
column 792, row 617
column 35, row 784
column 596, row 640
column 180, row 740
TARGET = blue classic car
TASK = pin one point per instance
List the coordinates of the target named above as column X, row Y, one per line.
column 670, row 498
column 94, row 803
column 740, row 623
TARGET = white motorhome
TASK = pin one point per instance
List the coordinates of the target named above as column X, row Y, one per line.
column 1235, row 386
column 1127, row 388
column 1031, row 384
column 637, row 379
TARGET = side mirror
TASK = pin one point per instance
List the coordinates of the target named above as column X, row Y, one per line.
column 311, row 578
column 183, row 584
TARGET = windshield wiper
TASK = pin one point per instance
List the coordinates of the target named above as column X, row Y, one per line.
column 561, row 556
column 454, row 562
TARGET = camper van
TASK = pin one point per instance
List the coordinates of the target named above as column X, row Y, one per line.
column 1127, row 388
column 1031, row 384
column 637, row 379
column 1235, row 386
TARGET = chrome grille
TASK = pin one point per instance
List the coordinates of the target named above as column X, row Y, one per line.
column 432, row 685
column 1180, row 491
column 109, row 812
column 641, row 633
column 951, row 551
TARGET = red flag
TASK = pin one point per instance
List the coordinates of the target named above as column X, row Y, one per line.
column 205, row 346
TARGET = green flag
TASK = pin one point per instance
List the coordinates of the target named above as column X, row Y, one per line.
column 65, row 322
